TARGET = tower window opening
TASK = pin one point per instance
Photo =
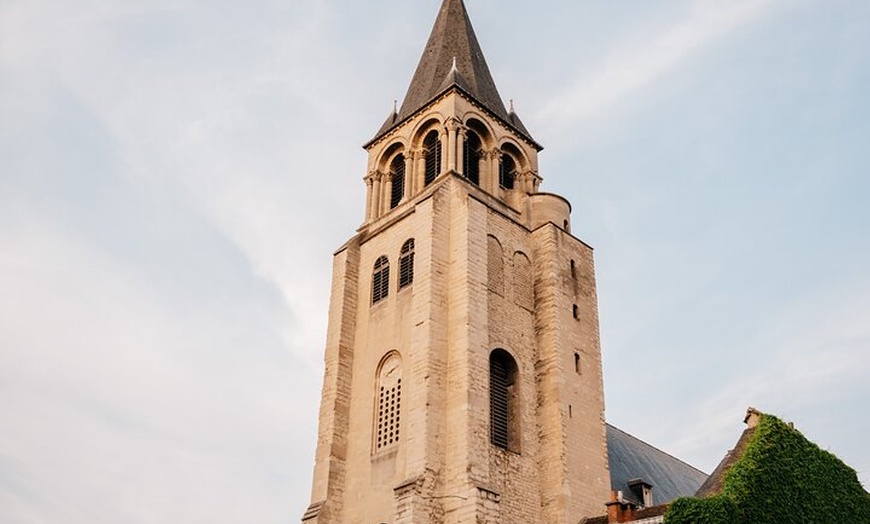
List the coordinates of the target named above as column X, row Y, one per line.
column 381, row 279
column 397, row 171
column 389, row 402
column 573, row 270
column 471, row 157
column 406, row 264
column 577, row 363
column 432, row 145
column 507, row 171
column 576, row 312
column 503, row 401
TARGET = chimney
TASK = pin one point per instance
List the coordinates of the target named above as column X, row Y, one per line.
column 619, row 509
column 752, row 417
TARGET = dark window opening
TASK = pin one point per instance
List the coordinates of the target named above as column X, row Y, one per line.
column 397, row 170
column 381, row 279
column 507, row 171
column 576, row 312
column 471, row 155
column 432, row 145
column 406, row 264
column 503, row 400
column 573, row 270
column 577, row 363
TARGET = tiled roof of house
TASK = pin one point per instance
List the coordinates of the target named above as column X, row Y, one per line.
column 631, row 458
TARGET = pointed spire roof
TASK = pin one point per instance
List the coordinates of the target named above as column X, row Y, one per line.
column 452, row 57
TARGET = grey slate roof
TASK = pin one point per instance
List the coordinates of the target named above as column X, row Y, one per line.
column 452, row 58
column 631, row 458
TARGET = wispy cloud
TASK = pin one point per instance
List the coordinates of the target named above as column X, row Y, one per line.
column 642, row 63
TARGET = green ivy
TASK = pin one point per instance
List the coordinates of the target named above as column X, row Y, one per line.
column 782, row 478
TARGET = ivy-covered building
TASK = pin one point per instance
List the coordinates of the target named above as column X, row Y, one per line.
column 774, row 475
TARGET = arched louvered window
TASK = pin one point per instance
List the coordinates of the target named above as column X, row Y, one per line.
column 503, row 401
column 397, row 170
column 381, row 279
column 471, row 157
column 432, row 145
column 388, row 419
column 507, row 171
column 406, row 264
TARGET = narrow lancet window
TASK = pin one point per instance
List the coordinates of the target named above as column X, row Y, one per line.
column 406, row 264
column 432, row 145
column 381, row 279
column 397, row 171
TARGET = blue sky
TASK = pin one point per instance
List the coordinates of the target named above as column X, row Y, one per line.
column 175, row 175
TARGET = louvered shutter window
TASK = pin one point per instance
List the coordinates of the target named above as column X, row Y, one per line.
column 397, row 169
column 406, row 264
column 433, row 157
column 381, row 279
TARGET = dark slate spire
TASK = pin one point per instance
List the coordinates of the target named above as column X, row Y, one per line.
column 452, row 57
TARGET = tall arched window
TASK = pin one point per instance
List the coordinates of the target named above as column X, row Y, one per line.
column 471, row 157
column 397, row 170
column 381, row 279
column 503, row 401
column 507, row 171
column 406, row 264
column 432, row 145
column 389, row 402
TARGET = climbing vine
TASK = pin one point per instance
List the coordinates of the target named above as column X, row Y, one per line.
column 782, row 478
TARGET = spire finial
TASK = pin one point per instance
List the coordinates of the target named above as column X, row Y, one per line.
column 512, row 106
column 395, row 108
column 453, row 68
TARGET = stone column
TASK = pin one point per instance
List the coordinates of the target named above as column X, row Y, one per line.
column 419, row 170
column 369, row 180
column 493, row 160
column 452, row 128
column 387, row 185
column 376, row 194
column 461, row 135
column 409, row 174
column 445, row 150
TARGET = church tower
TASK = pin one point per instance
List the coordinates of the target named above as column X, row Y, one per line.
column 463, row 367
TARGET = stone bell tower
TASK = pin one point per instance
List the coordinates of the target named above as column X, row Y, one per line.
column 463, row 367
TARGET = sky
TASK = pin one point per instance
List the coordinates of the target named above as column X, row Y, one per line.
column 176, row 174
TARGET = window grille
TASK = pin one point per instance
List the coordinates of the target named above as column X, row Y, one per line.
column 381, row 279
column 433, row 157
column 507, row 171
column 397, row 169
column 406, row 264
column 471, row 158
column 389, row 402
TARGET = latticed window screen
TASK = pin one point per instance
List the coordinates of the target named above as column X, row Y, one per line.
column 388, row 430
column 507, row 171
column 433, row 157
column 471, row 158
column 406, row 264
column 381, row 279
column 502, row 372
column 397, row 169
